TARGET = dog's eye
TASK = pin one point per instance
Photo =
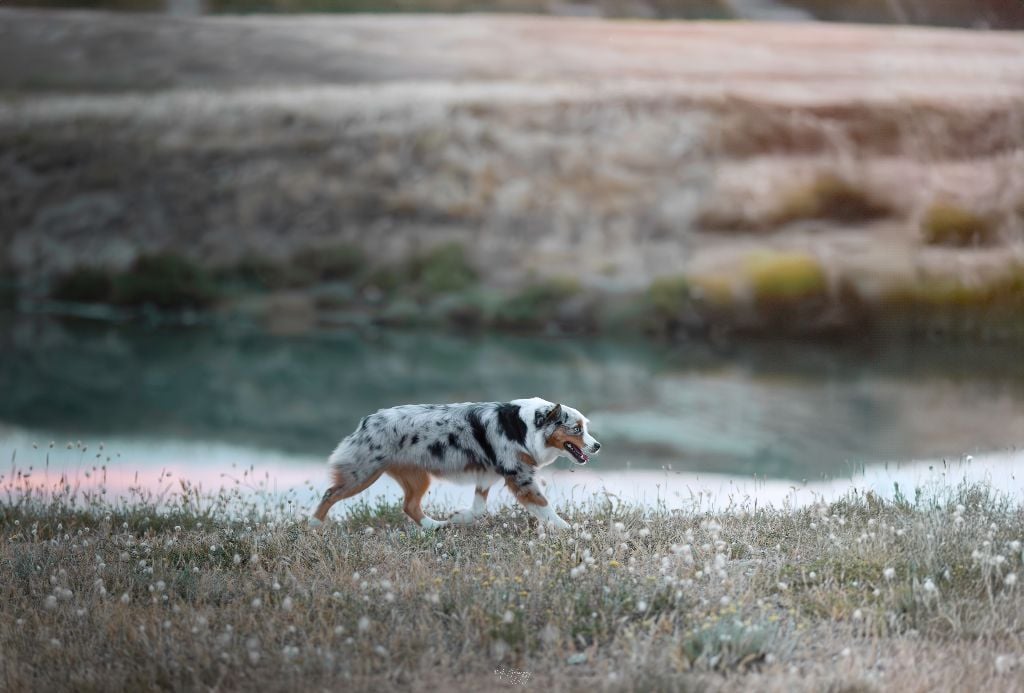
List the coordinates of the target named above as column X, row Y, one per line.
column 576, row 430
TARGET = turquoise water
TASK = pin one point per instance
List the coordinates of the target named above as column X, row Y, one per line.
column 775, row 410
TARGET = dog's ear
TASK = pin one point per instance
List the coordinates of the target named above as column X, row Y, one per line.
column 544, row 418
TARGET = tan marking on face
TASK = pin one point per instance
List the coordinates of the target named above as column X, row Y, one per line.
column 527, row 459
column 560, row 437
column 414, row 482
column 525, row 496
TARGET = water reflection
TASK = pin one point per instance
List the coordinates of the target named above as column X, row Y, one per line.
column 296, row 482
column 774, row 410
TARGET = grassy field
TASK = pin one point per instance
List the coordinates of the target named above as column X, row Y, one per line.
column 226, row 592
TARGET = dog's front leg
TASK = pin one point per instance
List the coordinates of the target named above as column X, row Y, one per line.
column 479, row 509
column 527, row 491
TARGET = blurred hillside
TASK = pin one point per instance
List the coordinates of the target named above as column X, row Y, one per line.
column 977, row 14
column 783, row 176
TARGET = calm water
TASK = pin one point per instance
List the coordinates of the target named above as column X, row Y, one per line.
column 202, row 398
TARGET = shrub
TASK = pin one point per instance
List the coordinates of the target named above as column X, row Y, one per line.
column 443, row 269
column 256, row 272
column 537, row 304
column 830, row 197
column 333, row 261
column 85, row 285
column 164, row 280
column 826, row 197
column 947, row 224
column 668, row 295
column 779, row 276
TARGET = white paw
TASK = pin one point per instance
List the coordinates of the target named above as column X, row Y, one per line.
column 431, row 523
column 463, row 517
column 558, row 523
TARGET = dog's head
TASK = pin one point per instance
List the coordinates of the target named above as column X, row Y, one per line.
column 565, row 429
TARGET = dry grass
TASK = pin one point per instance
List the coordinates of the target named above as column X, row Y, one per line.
column 225, row 591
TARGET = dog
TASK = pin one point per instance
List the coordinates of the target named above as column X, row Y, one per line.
column 484, row 442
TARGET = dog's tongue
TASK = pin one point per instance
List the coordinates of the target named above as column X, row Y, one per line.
column 577, row 453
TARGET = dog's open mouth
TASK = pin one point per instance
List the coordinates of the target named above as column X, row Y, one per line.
column 577, row 454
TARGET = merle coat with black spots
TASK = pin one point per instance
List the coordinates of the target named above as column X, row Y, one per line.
column 482, row 442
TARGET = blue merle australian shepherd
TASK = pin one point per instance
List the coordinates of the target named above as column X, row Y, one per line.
column 479, row 442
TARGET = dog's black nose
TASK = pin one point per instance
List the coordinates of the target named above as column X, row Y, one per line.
column 597, row 446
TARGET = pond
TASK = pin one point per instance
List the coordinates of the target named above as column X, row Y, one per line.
column 752, row 418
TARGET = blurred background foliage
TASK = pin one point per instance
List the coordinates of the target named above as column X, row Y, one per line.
column 955, row 13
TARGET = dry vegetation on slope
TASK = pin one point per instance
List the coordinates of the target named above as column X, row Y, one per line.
column 205, row 592
column 611, row 153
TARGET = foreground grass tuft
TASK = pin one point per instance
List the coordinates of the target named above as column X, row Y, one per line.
column 189, row 590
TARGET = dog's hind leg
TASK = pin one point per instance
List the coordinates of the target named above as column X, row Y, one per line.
column 528, row 493
column 414, row 482
column 479, row 509
column 345, row 485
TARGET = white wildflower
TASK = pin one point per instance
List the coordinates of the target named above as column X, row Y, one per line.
column 1005, row 664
